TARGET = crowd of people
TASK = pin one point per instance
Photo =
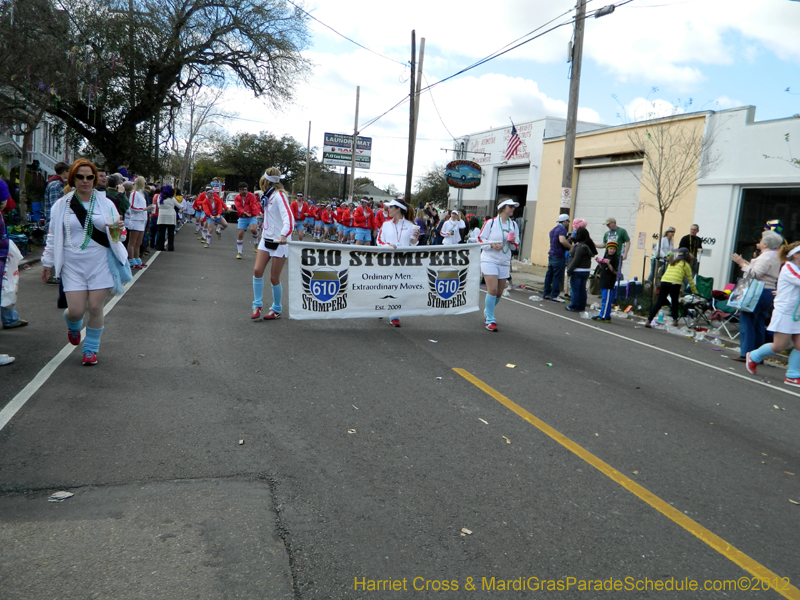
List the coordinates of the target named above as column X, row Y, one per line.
column 100, row 225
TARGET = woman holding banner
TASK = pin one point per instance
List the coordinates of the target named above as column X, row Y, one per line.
column 278, row 227
column 501, row 236
column 398, row 232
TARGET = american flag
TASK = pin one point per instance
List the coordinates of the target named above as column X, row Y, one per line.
column 513, row 143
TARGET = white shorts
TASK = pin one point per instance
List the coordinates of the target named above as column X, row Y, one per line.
column 281, row 252
column 136, row 225
column 87, row 271
column 783, row 323
column 492, row 268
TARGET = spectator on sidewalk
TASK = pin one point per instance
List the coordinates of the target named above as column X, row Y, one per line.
column 115, row 192
column 679, row 269
column 9, row 270
column 54, row 189
column 764, row 268
column 608, row 267
column 556, row 260
column 695, row 246
column 166, row 218
column 580, row 265
column 619, row 235
column 659, row 261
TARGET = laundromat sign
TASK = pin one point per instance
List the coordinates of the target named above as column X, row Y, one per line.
column 463, row 174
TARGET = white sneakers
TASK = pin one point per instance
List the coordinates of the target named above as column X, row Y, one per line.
column 5, row 359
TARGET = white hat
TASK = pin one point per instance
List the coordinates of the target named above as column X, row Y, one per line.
column 562, row 218
column 506, row 203
column 395, row 203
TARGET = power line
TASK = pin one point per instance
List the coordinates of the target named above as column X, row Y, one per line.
column 345, row 37
column 497, row 54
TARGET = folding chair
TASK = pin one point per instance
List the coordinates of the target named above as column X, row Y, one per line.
column 696, row 308
column 724, row 313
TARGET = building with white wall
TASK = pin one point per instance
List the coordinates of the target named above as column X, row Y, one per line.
column 753, row 181
column 517, row 178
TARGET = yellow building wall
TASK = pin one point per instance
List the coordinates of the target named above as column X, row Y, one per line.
column 597, row 144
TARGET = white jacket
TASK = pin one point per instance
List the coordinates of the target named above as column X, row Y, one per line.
column 54, row 252
column 278, row 219
column 493, row 232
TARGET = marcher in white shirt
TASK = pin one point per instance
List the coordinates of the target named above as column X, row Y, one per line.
column 278, row 227
column 451, row 230
column 501, row 236
column 398, row 232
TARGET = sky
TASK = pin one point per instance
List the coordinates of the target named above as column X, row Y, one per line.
column 647, row 56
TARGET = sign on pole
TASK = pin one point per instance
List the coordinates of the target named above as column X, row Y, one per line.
column 341, row 282
column 566, row 198
column 338, row 150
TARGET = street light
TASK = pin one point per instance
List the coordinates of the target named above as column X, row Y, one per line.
column 191, row 176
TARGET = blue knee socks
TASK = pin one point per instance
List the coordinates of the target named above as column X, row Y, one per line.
column 491, row 302
column 92, row 341
column 793, row 372
column 73, row 325
column 277, row 292
column 759, row 354
column 258, row 292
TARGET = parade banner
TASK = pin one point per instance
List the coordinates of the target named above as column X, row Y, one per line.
column 329, row 281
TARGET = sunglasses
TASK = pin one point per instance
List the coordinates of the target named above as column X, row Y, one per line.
column 80, row 177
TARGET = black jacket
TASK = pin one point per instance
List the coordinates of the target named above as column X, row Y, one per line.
column 580, row 257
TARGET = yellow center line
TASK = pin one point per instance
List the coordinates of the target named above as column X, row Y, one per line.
column 717, row 543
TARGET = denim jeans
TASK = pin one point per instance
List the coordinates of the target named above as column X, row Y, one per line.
column 554, row 276
column 753, row 326
column 577, row 286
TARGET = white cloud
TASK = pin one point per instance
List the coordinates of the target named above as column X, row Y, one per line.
column 670, row 44
column 467, row 105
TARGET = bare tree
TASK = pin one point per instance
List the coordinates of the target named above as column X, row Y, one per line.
column 200, row 117
column 792, row 160
column 114, row 75
column 676, row 152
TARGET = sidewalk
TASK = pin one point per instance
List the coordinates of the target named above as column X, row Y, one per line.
column 531, row 278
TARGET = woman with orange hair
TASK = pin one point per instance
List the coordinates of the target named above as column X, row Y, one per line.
column 83, row 249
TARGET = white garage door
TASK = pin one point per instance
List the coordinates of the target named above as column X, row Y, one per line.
column 609, row 192
column 513, row 176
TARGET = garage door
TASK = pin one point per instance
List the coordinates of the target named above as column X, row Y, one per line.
column 608, row 192
column 513, row 176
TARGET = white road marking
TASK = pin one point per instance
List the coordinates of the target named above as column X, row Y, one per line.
column 13, row 407
column 749, row 379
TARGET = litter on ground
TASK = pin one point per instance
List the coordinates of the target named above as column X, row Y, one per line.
column 60, row 496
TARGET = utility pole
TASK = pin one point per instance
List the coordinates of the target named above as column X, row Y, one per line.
column 572, row 111
column 354, row 147
column 416, row 97
column 308, row 162
column 411, row 124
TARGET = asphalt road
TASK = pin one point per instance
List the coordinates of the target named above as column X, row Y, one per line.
column 365, row 454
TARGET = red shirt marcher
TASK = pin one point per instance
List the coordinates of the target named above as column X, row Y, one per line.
column 249, row 205
column 299, row 211
column 362, row 217
column 198, row 202
column 340, row 215
column 213, row 207
column 379, row 219
column 327, row 216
